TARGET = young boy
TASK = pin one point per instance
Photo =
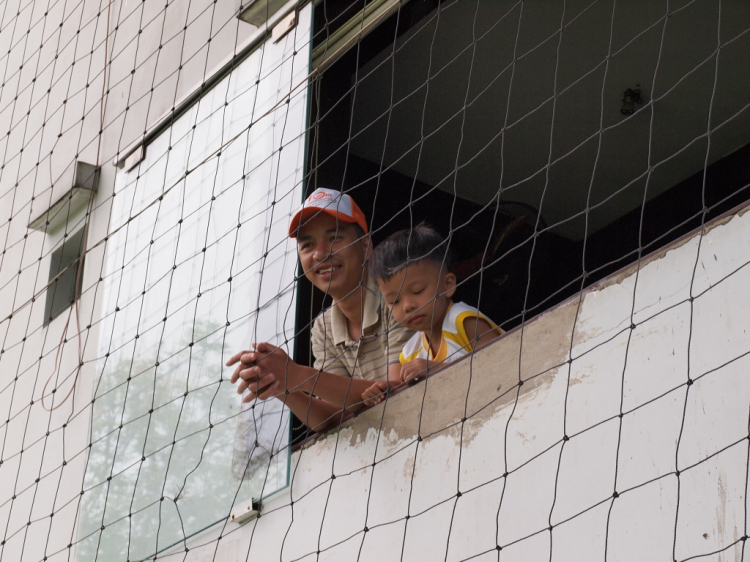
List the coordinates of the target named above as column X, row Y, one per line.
column 412, row 270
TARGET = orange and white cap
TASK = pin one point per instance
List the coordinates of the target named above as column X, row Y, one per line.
column 337, row 204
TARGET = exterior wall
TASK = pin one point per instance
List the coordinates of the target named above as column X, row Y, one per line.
column 581, row 364
column 55, row 109
column 628, row 439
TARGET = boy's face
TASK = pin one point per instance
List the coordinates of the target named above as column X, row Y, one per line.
column 332, row 255
column 418, row 295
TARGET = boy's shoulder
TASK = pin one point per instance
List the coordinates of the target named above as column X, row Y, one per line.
column 458, row 312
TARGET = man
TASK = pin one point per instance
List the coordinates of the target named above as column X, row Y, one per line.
column 353, row 341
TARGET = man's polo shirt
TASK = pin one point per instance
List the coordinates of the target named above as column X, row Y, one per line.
column 380, row 345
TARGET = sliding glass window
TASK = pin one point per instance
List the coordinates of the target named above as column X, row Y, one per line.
column 198, row 266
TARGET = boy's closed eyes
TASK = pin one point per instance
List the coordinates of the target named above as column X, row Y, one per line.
column 412, row 270
column 418, row 295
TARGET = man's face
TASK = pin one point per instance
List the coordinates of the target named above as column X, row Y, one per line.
column 332, row 254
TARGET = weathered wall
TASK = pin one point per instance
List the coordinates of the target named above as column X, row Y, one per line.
column 628, row 439
column 55, row 109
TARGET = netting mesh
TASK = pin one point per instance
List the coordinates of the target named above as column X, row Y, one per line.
column 153, row 155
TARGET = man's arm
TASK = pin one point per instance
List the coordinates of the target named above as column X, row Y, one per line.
column 315, row 413
column 394, row 374
column 269, row 372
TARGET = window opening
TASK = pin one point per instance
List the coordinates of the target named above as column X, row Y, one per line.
column 517, row 137
column 66, row 266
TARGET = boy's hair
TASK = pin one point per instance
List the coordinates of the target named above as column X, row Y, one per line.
column 409, row 246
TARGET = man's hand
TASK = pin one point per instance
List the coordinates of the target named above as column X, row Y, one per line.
column 268, row 372
column 416, row 368
column 375, row 394
column 265, row 371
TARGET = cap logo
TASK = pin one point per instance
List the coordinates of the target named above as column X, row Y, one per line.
column 319, row 195
column 322, row 198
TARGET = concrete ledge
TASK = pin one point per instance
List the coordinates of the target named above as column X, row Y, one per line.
column 519, row 363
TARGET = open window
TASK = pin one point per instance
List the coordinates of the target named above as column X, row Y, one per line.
column 553, row 143
column 65, row 273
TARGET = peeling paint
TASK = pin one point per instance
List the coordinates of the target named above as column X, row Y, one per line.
column 629, row 270
column 721, row 509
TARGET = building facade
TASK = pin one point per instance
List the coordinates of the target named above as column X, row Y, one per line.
column 588, row 161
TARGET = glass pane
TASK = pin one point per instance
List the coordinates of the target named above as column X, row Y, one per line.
column 199, row 265
column 61, row 293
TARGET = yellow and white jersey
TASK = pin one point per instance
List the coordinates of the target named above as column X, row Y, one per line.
column 455, row 343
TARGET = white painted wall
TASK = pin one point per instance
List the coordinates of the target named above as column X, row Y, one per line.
column 55, row 108
column 610, row 371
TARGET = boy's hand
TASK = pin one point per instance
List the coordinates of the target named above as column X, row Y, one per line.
column 375, row 394
column 415, row 368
